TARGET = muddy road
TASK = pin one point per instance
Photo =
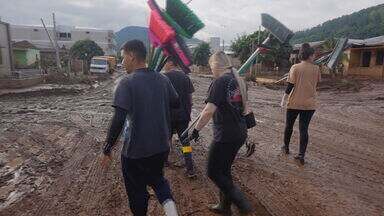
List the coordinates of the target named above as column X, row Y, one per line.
column 50, row 141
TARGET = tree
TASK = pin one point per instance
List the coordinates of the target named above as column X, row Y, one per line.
column 363, row 24
column 85, row 50
column 329, row 44
column 244, row 45
column 201, row 54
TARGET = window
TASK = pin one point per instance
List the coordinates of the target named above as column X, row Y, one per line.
column 1, row 57
column 87, row 32
column 63, row 35
column 69, row 35
column 35, row 30
column 366, row 58
column 99, row 61
column 380, row 57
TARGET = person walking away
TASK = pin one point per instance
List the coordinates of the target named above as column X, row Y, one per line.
column 180, row 117
column 224, row 104
column 143, row 98
column 300, row 99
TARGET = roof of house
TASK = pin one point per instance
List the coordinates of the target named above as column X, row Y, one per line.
column 4, row 23
column 46, row 46
column 312, row 44
column 23, row 45
column 375, row 41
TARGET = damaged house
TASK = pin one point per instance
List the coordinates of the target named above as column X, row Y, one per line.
column 6, row 63
column 365, row 57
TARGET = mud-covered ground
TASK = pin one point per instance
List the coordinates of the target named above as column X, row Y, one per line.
column 50, row 141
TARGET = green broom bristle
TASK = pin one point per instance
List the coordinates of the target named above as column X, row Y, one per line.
column 184, row 16
column 174, row 24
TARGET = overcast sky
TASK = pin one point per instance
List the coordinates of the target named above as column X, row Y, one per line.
column 223, row 18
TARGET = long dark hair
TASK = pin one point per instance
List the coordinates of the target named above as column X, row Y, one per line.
column 305, row 52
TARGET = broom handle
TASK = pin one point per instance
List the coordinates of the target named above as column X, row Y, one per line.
column 159, row 61
column 190, row 126
column 155, row 58
column 245, row 67
column 161, row 64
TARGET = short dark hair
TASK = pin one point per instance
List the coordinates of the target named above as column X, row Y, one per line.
column 172, row 60
column 137, row 48
column 305, row 51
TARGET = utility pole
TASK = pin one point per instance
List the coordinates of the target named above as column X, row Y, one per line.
column 55, row 39
column 52, row 43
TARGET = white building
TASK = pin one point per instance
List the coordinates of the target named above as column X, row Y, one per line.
column 6, row 64
column 214, row 43
column 66, row 36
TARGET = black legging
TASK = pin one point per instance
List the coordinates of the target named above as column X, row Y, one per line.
column 220, row 160
column 304, row 120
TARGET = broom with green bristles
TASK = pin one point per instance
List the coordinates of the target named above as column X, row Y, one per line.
column 184, row 17
column 183, row 22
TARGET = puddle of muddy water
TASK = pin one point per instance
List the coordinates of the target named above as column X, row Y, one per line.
column 13, row 197
column 10, row 177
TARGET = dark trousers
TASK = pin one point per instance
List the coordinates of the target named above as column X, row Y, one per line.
column 179, row 127
column 304, row 120
column 220, row 160
column 143, row 172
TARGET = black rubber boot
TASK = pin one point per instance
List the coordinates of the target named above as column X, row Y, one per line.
column 300, row 159
column 285, row 149
column 189, row 165
column 223, row 207
column 241, row 202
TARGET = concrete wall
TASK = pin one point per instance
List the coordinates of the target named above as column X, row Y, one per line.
column 6, row 61
column 20, row 83
column 33, row 56
column 374, row 72
column 25, row 58
column 29, row 33
column 20, row 57
column 214, row 43
column 355, row 61
column 37, row 36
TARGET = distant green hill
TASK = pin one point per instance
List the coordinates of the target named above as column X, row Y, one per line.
column 131, row 33
column 359, row 25
column 139, row 33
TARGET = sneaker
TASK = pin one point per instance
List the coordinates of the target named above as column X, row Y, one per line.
column 300, row 159
column 285, row 149
column 223, row 207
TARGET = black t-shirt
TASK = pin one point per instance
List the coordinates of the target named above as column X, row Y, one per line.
column 184, row 88
column 147, row 97
column 228, row 122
